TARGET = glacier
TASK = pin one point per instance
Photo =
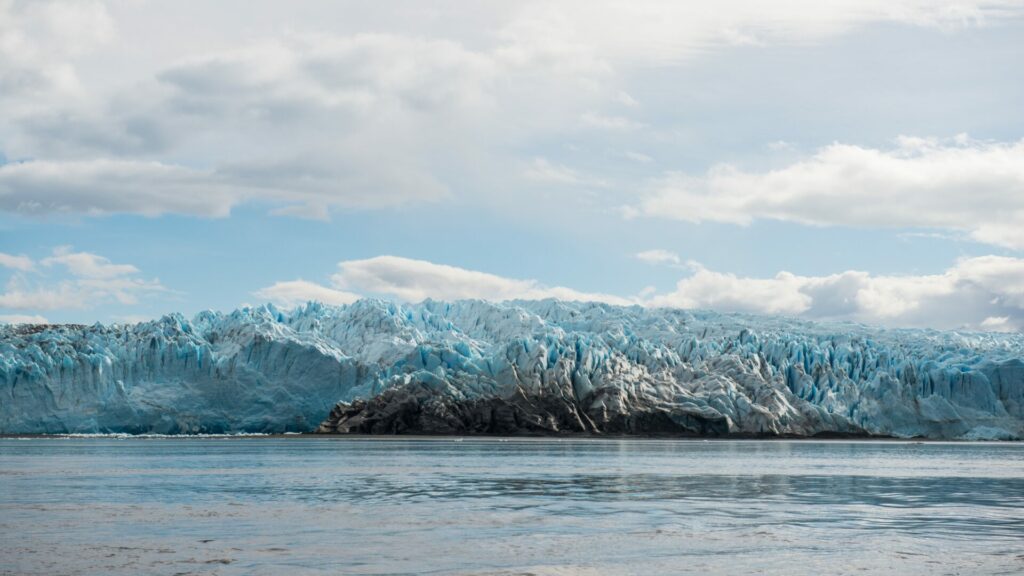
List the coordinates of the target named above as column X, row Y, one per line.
column 519, row 367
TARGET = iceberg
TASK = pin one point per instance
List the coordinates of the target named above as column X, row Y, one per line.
column 519, row 367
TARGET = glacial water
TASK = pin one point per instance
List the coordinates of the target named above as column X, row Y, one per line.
column 300, row 505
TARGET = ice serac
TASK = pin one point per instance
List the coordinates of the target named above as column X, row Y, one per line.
column 510, row 368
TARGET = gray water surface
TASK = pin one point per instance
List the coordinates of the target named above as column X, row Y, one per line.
column 487, row 506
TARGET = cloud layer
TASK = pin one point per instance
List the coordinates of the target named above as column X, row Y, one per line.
column 84, row 280
column 985, row 293
column 960, row 185
column 199, row 122
column 415, row 280
column 658, row 256
column 96, row 187
column 38, row 43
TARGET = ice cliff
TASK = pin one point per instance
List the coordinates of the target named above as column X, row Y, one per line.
column 516, row 367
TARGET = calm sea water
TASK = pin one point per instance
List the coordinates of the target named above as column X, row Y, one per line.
column 440, row 506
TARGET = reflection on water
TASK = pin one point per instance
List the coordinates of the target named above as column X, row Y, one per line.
column 385, row 506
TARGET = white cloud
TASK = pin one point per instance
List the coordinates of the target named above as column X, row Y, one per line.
column 75, row 294
column 21, row 262
column 110, row 186
column 663, row 32
column 415, row 280
column 781, row 146
column 124, row 290
column 726, row 292
column 997, row 324
column 90, row 280
column 99, row 187
column 39, row 41
column 658, row 256
column 963, row 185
column 22, row 319
column 20, row 295
column 86, row 265
column 294, row 292
column 626, row 100
column 638, row 157
column 541, row 170
column 985, row 292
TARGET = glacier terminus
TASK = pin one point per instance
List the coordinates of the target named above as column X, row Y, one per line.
column 520, row 367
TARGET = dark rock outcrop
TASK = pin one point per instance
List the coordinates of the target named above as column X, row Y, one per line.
column 419, row 409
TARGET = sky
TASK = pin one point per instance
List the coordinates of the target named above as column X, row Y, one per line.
column 847, row 160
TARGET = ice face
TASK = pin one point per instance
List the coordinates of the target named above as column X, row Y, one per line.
column 266, row 370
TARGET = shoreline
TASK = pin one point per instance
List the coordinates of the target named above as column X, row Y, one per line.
column 837, row 438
